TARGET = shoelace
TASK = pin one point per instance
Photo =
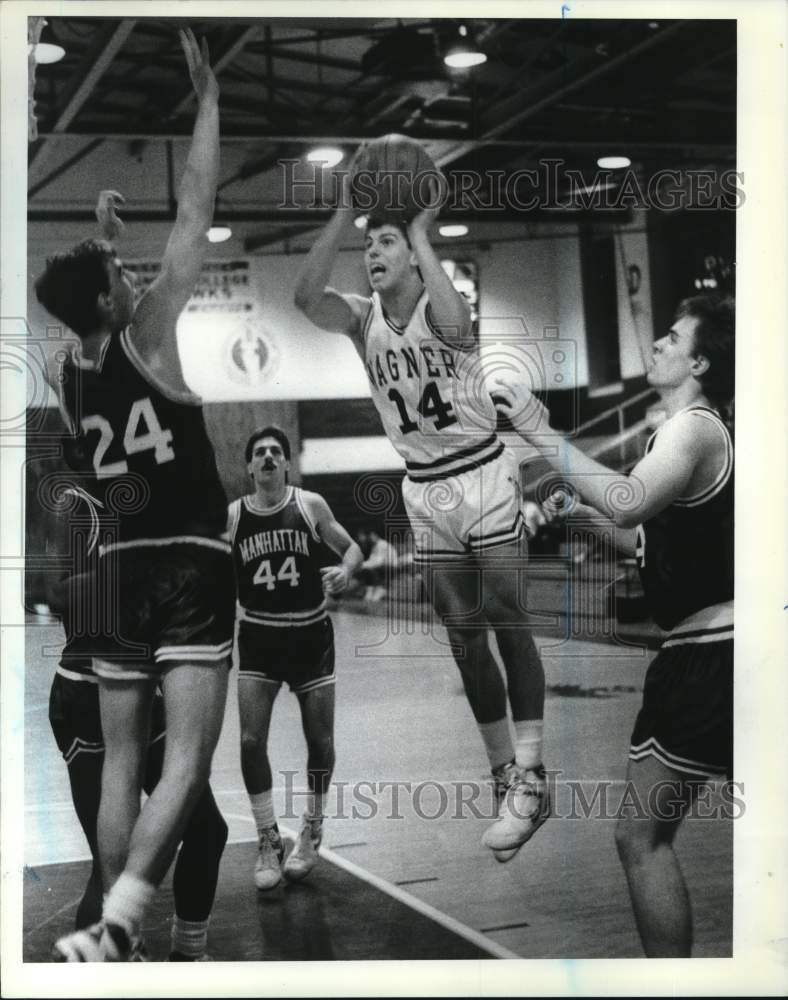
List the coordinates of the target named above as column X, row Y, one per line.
column 314, row 830
column 271, row 838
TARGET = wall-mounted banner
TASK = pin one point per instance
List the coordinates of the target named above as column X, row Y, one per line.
column 223, row 342
column 241, row 338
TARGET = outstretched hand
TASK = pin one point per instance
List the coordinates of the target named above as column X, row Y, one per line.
column 106, row 214
column 514, row 399
column 199, row 62
column 560, row 506
column 335, row 578
column 534, row 517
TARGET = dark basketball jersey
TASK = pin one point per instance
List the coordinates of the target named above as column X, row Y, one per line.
column 146, row 449
column 685, row 553
column 277, row 562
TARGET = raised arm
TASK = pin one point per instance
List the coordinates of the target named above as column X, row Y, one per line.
column 314, row 297
column 450, row 313
column 153, row 329
column 335, row 578
column 110, row 228
column 660, row 477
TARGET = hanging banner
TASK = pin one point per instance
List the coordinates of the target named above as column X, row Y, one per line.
column 227, row 344
column 225, row 307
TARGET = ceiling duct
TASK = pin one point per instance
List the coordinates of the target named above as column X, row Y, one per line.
column 404, row 54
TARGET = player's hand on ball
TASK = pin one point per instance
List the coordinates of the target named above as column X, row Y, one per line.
column 199, row 63
column 514, row 399
column 335, row 579
column 420, row 224
column 106, row 213
column 346, row 188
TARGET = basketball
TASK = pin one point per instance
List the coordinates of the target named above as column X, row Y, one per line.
column 395, row 177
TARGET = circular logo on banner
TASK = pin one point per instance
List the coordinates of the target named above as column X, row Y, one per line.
column 250, row 356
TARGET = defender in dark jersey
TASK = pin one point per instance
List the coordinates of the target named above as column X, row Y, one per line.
column 285, row 634
column 675, row 513
column 75, row 718
column 165, row 571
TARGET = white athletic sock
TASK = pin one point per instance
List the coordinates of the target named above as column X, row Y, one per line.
column 127, row 901
column 263, row 810
column 497, row 738
column 528, row 742
column 189, row 937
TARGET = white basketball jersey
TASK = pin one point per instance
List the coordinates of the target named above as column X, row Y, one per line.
column 431, row 396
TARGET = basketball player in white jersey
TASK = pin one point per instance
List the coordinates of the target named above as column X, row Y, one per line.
column 675, row 513
column 461, row 490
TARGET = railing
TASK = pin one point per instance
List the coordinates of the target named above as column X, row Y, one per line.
column 624, row 434
column 619, row 441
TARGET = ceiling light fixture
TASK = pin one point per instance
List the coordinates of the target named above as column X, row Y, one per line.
column 360, row 221
column 594, row 187
column 46, row 49
column 327, row 156
column 218, row 234
column 614, row 162
column 453, row 229
column 463, row 53
column 47, row 53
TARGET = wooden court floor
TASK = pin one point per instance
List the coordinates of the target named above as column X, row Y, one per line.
column 404, row 879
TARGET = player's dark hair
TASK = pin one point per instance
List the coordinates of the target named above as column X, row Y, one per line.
column 272, row 431
column 715, row 339
column 71, row 283
column 378, row 221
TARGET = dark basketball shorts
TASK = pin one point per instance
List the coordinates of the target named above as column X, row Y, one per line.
column 302, row 656
column 75, row 717
column 166, row 603
column 686, row 720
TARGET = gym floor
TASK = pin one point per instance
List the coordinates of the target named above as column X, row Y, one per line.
column 405, row 878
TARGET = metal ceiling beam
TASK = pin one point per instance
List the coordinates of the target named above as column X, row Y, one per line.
column 260, row 240
column 93, row 66
column 276, row 113
column 314, row 87
column 303, row 139
column 552, row 94
column 313, row 217
column 279, row 52
column 63, row 167
column 388, row 108
column 109, row 47
column 252, row 168
column 555, row 95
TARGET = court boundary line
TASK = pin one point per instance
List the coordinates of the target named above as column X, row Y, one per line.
column 407, row 899
column 52, row 916
column 444, row 920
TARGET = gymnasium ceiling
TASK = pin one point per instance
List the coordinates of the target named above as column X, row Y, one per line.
column 118, row 108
